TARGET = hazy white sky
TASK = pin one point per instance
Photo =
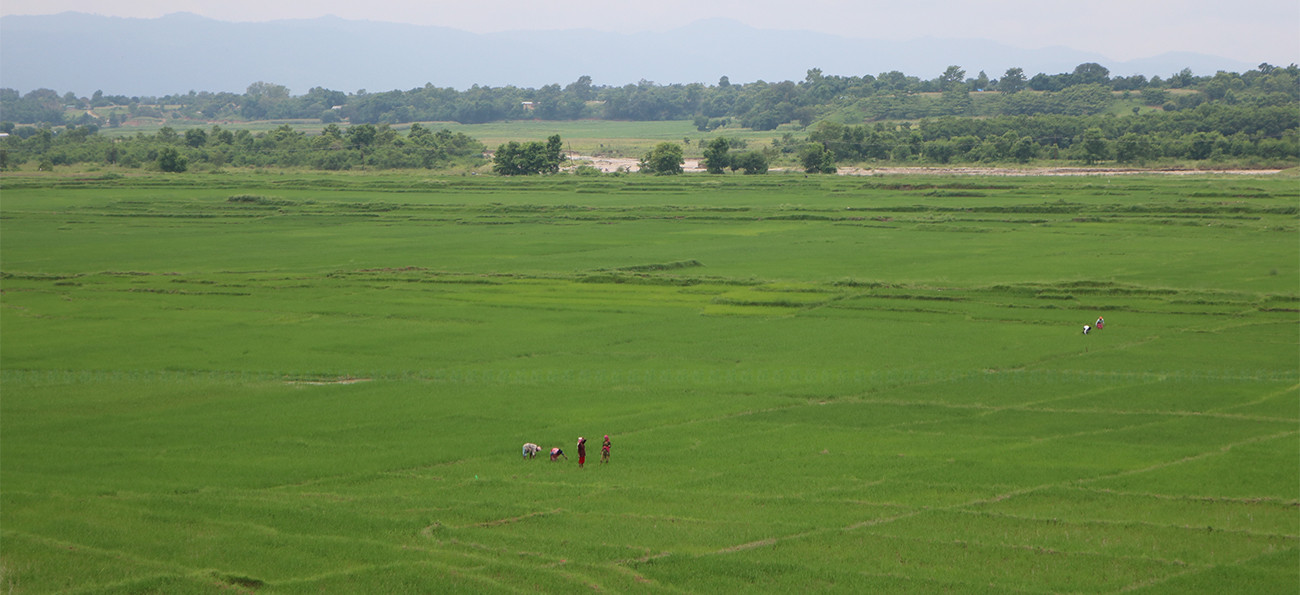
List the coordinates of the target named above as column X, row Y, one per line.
column 1248, row 30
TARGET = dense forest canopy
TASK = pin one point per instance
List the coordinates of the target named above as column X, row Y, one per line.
column 889, row 117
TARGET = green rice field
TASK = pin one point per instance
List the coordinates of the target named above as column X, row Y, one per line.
column 320, row 383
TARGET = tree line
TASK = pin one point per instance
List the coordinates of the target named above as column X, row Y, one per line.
column 335, row 148
column 1088, row 89
column 1207, row 132
column 1244, row 134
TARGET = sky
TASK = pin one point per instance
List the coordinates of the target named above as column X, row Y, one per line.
column 1249, row 30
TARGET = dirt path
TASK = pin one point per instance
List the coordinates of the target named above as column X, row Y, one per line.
column 612, row 164
column 1044, row 171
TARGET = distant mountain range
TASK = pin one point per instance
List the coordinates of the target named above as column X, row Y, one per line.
column 181, row 52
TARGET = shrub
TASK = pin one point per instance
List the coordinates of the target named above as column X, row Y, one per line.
column 753, row 162
column 664, row 160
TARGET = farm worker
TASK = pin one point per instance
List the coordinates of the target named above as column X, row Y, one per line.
column 556, row 453
column 582, row 451
column 1100, row 321
column 1086, row 328
column 604, row 450
column 531, row 450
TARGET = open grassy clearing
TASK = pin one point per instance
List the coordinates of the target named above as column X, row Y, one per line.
column 301, row 382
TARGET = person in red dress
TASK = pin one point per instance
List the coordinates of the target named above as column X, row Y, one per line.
column 582, row 451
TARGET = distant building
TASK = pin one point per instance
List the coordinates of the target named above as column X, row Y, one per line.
column 528, row 105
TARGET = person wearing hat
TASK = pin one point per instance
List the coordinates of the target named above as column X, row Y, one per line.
column 604, row 450
column 582, row 451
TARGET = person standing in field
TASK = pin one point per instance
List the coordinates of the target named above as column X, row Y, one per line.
column 604, row 450
column 1100, row 322
column 582, row 451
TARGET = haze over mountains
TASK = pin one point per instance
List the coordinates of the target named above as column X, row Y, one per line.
column 181, row 52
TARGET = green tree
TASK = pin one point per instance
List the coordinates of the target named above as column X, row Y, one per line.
column 581, row 89
column 1184, row 78
column 265, row 90
column 224, row 137
column 1154, row 96
column 554, row 154
column 664, row 160
column 507, row 160
column 1090, row 73
column 168, row 135
column 361, row 136
column 331, row 132
column 951, row 78
column 817, row 159
column 1134, row 148
column 1095, row 147
column 196, row 137
column 939, row 151
column 171, row 160
column 546, row 102
column 828, row 162
column 716, row 158
column 1024, row 149
column 1013, row 81
column 515, row 159
column 753, row 162
column 1201, row 144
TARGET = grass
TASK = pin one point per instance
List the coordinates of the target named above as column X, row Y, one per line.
column 298, row 382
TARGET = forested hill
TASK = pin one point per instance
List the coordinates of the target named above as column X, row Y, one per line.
column 177, row 53
column 1088, row 89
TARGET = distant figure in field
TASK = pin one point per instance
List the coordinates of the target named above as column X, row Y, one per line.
column 1086, row 328
column 531, row 450
column 604, row 450
column 556, row 453
column 1100, row 322
column 582, row 451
